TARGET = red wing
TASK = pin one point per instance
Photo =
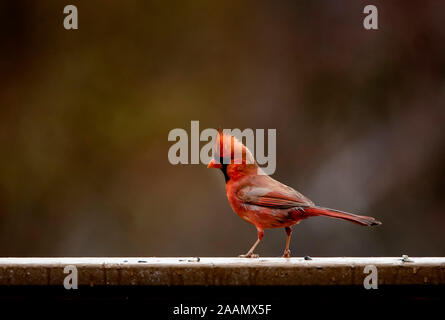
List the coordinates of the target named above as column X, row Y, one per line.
column 277, row 200
column 271, row 193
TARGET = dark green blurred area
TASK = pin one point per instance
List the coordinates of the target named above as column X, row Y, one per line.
column 85, row 116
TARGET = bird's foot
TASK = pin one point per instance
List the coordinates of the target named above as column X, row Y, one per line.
column 249, row 255
column 286, row 253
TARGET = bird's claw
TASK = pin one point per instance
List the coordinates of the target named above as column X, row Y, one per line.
column 249, row 255
column 286, row 253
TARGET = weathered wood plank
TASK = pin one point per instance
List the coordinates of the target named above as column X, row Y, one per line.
column 222, row 271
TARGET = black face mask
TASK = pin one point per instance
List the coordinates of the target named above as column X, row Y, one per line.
column 224, row 164
column 224, row 170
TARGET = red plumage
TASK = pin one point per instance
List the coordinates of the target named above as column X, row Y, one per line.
column 262, row 200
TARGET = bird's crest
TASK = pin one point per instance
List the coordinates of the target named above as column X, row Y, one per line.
column 229, row 149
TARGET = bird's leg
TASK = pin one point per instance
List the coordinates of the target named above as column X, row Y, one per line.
column 286, row 253
column 250, row 253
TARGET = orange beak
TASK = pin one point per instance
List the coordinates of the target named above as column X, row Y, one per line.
column 214, row 164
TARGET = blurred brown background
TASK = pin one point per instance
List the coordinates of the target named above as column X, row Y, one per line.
column 85, row 116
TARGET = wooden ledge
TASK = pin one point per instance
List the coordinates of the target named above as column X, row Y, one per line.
column 221, row 271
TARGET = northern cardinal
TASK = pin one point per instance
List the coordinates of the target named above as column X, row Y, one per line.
column 262, row 200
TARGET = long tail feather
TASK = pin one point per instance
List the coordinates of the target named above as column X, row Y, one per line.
column 361, row 220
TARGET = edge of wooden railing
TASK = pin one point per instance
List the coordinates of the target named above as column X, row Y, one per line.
column 195, row 271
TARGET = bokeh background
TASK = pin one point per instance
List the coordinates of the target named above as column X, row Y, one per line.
column 85, row 116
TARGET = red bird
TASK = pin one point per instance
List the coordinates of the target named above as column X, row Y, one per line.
column 263, row 201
